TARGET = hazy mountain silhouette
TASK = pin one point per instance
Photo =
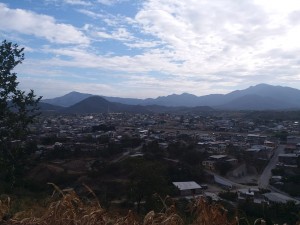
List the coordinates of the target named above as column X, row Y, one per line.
column 128, row 101
column 184, row 99
column 259, row 97
column 68, row 99
column 97, row 104
column 255, row 102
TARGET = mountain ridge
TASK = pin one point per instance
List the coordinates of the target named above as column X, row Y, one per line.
column 97, row 104
column 258, row 97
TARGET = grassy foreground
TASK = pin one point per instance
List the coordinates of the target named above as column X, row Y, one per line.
column 70, row 209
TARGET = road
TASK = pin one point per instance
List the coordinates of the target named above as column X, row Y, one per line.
column 263, row 181
column 126, row 154
column 235, row 185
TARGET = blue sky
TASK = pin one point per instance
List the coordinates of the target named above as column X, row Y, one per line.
column 150, row 48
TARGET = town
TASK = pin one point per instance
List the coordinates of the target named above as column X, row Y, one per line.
column 126, row 158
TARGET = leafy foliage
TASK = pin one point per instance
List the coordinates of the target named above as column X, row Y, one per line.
column 231, row 196
column 17, row 109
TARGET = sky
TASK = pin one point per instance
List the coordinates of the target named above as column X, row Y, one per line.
column 150, row 48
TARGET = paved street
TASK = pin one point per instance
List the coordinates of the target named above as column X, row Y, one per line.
column 234, row 184
column 263, row 181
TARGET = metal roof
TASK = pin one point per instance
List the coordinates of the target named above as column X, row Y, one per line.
column 187, row 185
column 217, row 156
column 277, row 197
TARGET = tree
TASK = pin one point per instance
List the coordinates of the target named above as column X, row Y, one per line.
column 17, row 108
column 223, row 167
column 147, row 178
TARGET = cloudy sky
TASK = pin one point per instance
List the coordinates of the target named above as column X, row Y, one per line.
column 150, row 48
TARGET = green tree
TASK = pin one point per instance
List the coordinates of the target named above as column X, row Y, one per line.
column 17, row 108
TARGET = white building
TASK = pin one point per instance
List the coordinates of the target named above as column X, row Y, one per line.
column 188, row 188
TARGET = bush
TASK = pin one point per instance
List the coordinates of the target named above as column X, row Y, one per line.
column 231, row 196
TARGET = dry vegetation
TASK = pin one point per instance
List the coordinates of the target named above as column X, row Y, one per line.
column 70, row 209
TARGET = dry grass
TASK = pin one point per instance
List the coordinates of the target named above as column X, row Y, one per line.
column 210, row 214
column 4, row 208
column 69, row 209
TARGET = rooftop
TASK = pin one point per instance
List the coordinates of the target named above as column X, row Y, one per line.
column 188, row 185
column 277, row 197
column 217, row 156
column 292, row 155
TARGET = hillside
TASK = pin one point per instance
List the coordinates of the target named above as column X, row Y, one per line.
column 68, row 99
column 255, row 102
column 97, row 104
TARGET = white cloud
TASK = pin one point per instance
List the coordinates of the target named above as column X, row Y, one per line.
column 110, row 2
column 110, row 19
column 120, row 34
column 50, row 88
column 143, row 44
column 223, row 35
column 91, row 13
column 193, row 46
column 28, row 22
column 69, row 2
column 78, row 2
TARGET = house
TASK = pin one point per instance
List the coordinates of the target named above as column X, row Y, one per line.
column 288, row 159
column 259, row 152
column 218, row 158
column 251, row 194
column 275, row 179
column 290, row 148
column 252, row 153
column 256, row 139
column 292, row 140
column 188, row 188
column 274, row 197
column 209, row 164
column 232, row 161
column 270, row 144
column 217, row 147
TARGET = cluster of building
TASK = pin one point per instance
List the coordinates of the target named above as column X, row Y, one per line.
column 255, row 195
column 231, row 141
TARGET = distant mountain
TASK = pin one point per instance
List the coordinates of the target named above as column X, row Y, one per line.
column 284, row 94
column 128, row 101
column 259, row 97
column 68, row 99
column 255, row 102
column 97, row 104
column 184, row 99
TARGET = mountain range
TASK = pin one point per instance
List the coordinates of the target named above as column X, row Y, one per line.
column 259, row 97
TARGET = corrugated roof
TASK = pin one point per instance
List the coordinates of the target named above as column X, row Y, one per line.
column 188, row 185
column 277, row 197
column 217, row 156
